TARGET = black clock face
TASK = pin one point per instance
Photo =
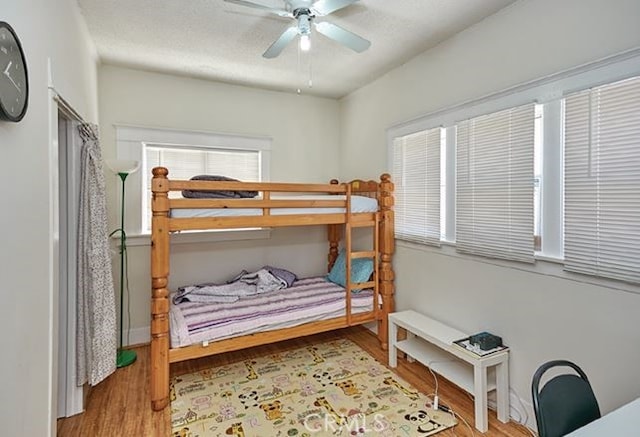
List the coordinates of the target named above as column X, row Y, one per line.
column 14, row 88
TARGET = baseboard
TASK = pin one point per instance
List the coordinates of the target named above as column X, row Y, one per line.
column 524, row 417
column 138, row 336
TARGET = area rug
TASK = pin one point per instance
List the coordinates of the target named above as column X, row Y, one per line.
column 332, row 388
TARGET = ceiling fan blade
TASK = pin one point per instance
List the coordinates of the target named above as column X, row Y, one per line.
column 325, row 7
column 343, row 36
column 278, row 46
column 280, row 12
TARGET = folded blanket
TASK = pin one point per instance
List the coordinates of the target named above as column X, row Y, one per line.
column 285, row 275
column 247, row 284
column 216, row 194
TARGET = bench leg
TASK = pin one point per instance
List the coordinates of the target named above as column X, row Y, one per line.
column 480, row 393
column 393, row 339
column 502, row 391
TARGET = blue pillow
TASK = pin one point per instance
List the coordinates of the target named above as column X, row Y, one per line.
column 361, row 269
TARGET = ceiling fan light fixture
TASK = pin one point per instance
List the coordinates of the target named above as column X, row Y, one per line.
column 304, row 13
column 305, row 42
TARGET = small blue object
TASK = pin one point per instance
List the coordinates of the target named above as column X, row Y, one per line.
column 361, row 269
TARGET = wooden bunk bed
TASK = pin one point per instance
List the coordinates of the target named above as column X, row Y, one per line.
column 340, row 223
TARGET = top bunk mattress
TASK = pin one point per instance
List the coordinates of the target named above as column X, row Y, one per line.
column 359, row 204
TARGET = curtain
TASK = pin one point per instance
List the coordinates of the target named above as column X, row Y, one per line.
column 96, row 327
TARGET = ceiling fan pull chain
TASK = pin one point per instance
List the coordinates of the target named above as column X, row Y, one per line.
column 299, row 69
column 310, row 71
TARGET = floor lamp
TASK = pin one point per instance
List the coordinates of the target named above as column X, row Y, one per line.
column 123, row 169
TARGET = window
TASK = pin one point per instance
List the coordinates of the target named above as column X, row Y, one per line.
column 416, row 172
column 537, row 178
column 494, row 187
column 185, row 154
column 548, row 170
column 602, row 181
column 186, row 162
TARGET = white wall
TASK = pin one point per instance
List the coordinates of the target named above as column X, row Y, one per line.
column 305, row 133
column 52, row 30
column 540, row 317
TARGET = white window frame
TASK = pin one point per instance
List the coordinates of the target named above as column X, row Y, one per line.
column 550, row 92
column 130, row 145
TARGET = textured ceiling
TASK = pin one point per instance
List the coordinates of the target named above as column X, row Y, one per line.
column 212, row 39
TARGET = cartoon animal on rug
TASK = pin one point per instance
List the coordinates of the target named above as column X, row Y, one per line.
column 184, row 432
column 348, row 387
column 206, row 374
column 324, row 403
column 249, row 399
column 272, row 410
column 382, row 427
column 423, row 421
column 410, row 394
column 252, row 373
column 317, row 358
column 306, row 388
column 227, row 412
column 235, row 430
column 276, row 358
column 172, row 391
column 324, row 378
column 374, row 371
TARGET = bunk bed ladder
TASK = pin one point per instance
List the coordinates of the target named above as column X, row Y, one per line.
column 350, row 255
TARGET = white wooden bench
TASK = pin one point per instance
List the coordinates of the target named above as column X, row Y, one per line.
column 431, row 343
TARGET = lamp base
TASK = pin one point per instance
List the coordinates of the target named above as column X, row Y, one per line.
column 125, row 357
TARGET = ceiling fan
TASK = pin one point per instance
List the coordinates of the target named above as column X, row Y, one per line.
column 305, row 12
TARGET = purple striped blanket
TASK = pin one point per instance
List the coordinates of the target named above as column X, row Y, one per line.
column 308, row 299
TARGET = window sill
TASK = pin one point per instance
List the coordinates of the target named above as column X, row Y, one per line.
column 199, row 237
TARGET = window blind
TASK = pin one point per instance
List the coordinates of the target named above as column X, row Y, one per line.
column 416, row 174
column 602, row 181
column 184, row 163
column 494, row 184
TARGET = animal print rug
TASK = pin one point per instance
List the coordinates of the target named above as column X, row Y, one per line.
column 332, row 389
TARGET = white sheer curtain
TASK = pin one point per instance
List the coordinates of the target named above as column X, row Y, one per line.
column 96, row 327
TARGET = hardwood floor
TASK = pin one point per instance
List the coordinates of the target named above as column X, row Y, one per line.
column 121, row 405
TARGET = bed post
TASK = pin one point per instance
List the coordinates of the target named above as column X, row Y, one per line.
column 334, row 238
column 387, row 247
column 159, row 292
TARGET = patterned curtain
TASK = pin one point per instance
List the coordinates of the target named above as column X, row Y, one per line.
column 96, row 327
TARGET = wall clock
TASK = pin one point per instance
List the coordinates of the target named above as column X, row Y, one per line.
column 14, row 83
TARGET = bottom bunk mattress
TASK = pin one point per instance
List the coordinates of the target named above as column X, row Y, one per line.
column 307, row 300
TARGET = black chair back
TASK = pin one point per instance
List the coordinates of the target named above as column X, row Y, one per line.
column 565, row 403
